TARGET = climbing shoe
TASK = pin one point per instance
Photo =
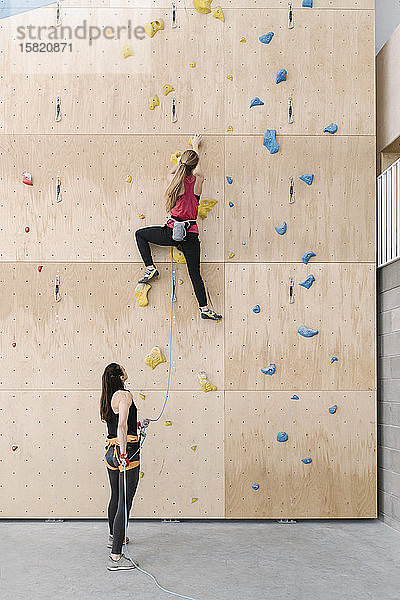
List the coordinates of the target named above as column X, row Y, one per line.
column 149, row 273
column 123, row 564
column 111, row 539
column 210, row 314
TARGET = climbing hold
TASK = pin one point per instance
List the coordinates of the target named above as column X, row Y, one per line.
column 231, row 204
column 141, row 216
column 333, row 409
column 281, row 230
column 193, row 500
column 27, row 178
column 40, row 267
column 167, row 89
column 128, row 179
column 307, row 283
column 142, row 396
column 175, row 156
column 178, row 256
column 269, row 141
column 255, row 486
column 243, row 40
column 155, row 357
column 192, row 65
column 205, row 206
column 307, row 4
column 218, row 14
column 282, row 436
column 231, row 254
column 180, row 281
column 306, row 332
column 141, row 292
column 256, row 102
column 306, row 461
column 229, row 128
column 205, row 383
column 270, row 370
column 295, row 397
column 27, row 230
column 152, row 28
column 127, row 51
column 306, row 256
column 230, row 77
column 266, row 38
column 203, row 6
column 168, row 423
column 141, row 474
column 153, row 102
column 281, row 75
column 14, row 344
column 256, row 309
column 334, row 359
column 243, row 243
column 229, row 180
column 308, row 179
column 14, row 448
column 331, row 128
column 194, row 448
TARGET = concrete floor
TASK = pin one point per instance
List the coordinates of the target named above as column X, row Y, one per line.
column 326, row 560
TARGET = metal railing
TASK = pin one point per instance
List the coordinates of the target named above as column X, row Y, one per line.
column 388, row 199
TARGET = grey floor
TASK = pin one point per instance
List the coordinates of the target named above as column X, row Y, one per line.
column 324, row 560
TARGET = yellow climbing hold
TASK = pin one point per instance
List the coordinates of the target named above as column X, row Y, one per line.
column 203, row 6
column 192, row 65
column 205, row 383
column 178, row 256
column 142, row 396
column 127, row 51
column 141, row 216
column 141, row 292
column 141, row 474
column 167, row 423
column 193, row 500
column 180, row 281
column 231, row 254
column 174, row 157
column 128, row 179
column 205, row 206
column 230, row 77
column 194, row 448
column 153, row 102
column 229, row 128
column 155, row 357
column 243, row 40
column 152, row 28
column 218, row 14
column 167, row 89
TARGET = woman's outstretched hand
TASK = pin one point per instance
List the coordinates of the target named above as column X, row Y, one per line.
column 195, row 139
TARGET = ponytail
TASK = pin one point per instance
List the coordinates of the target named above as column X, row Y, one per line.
column 187, row 164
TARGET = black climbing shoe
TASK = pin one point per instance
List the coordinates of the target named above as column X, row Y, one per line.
column 149, row 273
column 210, row 314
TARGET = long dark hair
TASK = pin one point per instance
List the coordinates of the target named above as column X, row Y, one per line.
column 111, row 382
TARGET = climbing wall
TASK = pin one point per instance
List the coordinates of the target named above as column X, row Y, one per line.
column 288, row 251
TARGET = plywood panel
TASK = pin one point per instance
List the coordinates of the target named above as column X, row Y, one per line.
column 340, row 305
column 66, row 345
column 57, row 469
column 334, row 217
column 99, row 212
column 341, row 480
column 329, row 57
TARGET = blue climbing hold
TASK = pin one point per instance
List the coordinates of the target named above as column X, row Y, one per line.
column 307, row 178
column 295, row 397
column 306, row 257
column 229, row 180
column 334, row 359
column 266, row 38
column 269, row 141
column 255, row 486
column 307, row 283
column 332, row 128
column 256, row 102
column 282, row 436
column 306, row 332
column 333, row 409
column 231, row 204
column 281, row 75
column 270, row 370
column 306, row 461
column 307, row 4
column 256, row 309
column 281, row 230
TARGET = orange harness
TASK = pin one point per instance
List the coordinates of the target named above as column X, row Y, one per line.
column 114, row 442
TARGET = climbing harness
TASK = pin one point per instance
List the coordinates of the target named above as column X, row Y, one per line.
column 180, row 228
column 114, row 455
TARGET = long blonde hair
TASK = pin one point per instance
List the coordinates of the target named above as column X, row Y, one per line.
column 187, row 164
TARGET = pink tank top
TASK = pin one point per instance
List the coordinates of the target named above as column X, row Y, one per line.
column 187, row 205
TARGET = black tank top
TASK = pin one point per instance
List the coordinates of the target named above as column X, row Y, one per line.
column 112, row 425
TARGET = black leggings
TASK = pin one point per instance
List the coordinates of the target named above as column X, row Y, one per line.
column 116, row 508
column 162, row 236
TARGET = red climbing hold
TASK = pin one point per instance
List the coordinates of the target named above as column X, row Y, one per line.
column 27, row 178
column 14, row 448
column 27, row 229
column 14, row 344
column 40, row 267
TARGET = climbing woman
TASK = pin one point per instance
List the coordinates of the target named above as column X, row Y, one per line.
column 185, row 182
column 118, row 410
